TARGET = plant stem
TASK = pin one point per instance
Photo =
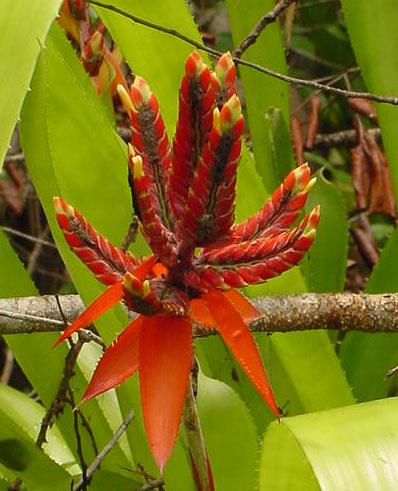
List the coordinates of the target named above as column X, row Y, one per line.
column 196, row 443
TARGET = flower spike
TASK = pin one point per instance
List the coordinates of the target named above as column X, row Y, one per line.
column 106, row 261
column 280, row 210
column 150, row 141
column 159, row 238
column 196, row 103
column 209, row 211
column 251, row 263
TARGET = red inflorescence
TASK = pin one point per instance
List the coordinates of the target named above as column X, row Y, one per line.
column 184, row 198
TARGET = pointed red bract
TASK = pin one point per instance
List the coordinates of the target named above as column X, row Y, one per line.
column 119, row 361
column 238, row 338
column 110, row 297
column 199, row 312
column 244, row 308
column 165, row 358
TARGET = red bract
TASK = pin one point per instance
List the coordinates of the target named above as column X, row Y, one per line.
column 184, row 198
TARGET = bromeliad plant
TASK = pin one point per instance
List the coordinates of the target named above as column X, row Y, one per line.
column 184, row 199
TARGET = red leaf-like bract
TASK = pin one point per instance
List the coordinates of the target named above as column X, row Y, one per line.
column 119, row 361
column 238, row 338
column 165, row 358
column 110, row 297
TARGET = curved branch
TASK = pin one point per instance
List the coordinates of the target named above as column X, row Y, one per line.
column 341, row 311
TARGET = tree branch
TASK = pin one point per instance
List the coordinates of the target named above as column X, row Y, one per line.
column 341, row 311
column 342, row 138
column 266, row 19
column 267, row 71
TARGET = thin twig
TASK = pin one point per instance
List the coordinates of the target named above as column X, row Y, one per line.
column 84, row 480
column 156, row 483
column 151, row 481
column 38, row 240
column 8, row 366
column 267, row 71
column 60, row 398
column 36, row 251
column 131, row 234
column 265, row 20
column 108, row 447
column 17, row 157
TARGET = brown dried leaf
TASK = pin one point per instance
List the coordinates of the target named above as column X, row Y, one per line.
column 381, row 199
column 10, row 193
column 313, row 122
column 365, row 242
column 364, row 107
column 296, row 134
column 360, row 177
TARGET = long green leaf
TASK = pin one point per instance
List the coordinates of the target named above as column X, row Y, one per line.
column 21, row 459
column 327, row 259
column 27, row 415
column 230, row 435
column 23, row 30
column 261, row 92
column 354, row 447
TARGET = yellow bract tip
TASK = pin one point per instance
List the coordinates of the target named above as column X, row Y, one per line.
column 137, row 167
column 131, row 150
column 125, row 98
column 216, row 120
column 146, row 288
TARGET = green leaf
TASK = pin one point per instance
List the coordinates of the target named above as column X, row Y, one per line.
column 327, row 258
column 367, row 357
column 230, row 435
column 20, row 458
column 282, row 154
column 27, row 415
column 372, row 27
column 250, row 191
column 103, row 480
column 353, row 448
column 261, row 92
column 23, row 30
